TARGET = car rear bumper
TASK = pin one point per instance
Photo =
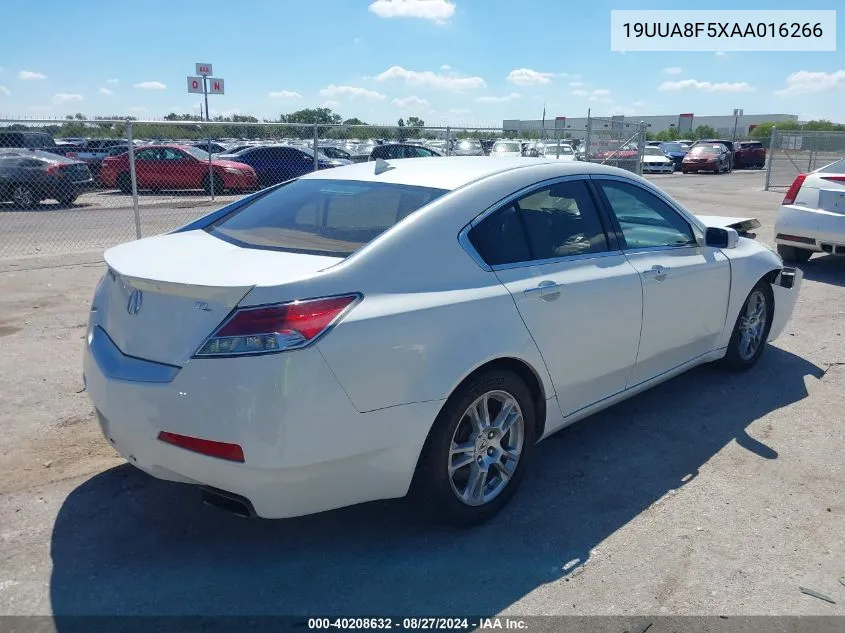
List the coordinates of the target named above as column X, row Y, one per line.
column 306, row 449
column 811, row 229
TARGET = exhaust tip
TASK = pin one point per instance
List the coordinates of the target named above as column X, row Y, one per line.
column 228, row 501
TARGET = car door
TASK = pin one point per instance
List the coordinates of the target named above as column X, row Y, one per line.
column 148, row 167
column 685, row 284
column 576, row 292
column 265, row 163
column 181, row 170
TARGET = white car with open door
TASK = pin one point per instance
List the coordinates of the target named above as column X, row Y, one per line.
column 812, row 215
column 417, row 327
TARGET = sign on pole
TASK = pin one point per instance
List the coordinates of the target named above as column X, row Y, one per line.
column 195, row 85
column 215, row 86
column 560, row 122
column 203, row 69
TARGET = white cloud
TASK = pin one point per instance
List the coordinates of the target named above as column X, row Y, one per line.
column 412, row 102
column 806, row 82
column 445, row 67
column 528, row 77
column 721, row 54
column 284, row 94
column 431, row 79
column 511, row 97
column 437, row 10
column 111, row 81
column 350, row 91
column 598, row 94
column 704, row 86
column 576, row 84
column 331, row 105
column 106, row 91
column 673, row 70
column 151, row 85
column 28, row 75
column 4, row 90
column 64, row 97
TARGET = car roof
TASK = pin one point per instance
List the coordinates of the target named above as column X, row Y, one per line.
column 450, row 172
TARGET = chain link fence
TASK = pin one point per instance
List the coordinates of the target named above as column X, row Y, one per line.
column 794, row 152
column 134, row 179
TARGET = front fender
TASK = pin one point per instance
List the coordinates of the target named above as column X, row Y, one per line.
column 751, row 262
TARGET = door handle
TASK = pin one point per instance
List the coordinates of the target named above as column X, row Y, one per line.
column 657, row 272
column 545, row 290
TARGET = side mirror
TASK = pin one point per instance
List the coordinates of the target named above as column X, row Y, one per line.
column 721, row 238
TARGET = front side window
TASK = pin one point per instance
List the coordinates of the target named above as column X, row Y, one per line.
column 645, row 220
column 321, row 217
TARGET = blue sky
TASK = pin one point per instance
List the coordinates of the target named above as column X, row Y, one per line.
column 459, row 61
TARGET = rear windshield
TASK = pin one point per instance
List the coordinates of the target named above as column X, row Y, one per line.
column 834, row 168
column 705, row 149
column 321, row 217
column 751, row 145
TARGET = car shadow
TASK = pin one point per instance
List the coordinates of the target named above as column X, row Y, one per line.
column 44, row 206
column 827, row 269
column 125, row 543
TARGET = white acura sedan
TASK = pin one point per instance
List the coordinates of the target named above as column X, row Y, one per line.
column 416, row 326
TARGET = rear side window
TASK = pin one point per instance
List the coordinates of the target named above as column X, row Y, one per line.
column 321, row 217
column 500, row 238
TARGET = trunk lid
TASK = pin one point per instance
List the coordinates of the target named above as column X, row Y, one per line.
column 164, row 295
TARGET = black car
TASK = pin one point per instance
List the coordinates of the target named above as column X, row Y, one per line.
column 29, row 176
column 211, row 147
column 335, row 152
column 392, row 151
column 30, row 140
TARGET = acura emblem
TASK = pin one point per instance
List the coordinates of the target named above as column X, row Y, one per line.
column 134, row 304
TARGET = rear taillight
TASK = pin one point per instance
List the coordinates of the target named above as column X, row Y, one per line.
column 790, row 196
column 71, row 154
column 276, row 328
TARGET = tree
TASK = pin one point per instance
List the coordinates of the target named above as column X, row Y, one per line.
column 401, row 123
column 79, row 116
column 312, row 116
column 354, row 121
column 704, row 131
column 415, row 121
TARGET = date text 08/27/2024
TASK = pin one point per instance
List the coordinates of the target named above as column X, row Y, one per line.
column 417, row 624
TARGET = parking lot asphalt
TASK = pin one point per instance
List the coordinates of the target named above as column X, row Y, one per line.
column 712, row 494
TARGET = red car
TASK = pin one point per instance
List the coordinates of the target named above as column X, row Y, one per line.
column 160, row 167
column 749, row 154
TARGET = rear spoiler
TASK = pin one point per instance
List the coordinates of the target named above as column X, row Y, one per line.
column 743, row 226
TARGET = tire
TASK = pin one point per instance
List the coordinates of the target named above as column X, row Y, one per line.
column 438, row 486
column 67, row 201
column 751, row 329
column 24, row 197
column 124, row 182
column 212, row 184
column 794, row 255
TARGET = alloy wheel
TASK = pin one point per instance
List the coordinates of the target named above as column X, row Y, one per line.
column 486, row 448
column 752, row 324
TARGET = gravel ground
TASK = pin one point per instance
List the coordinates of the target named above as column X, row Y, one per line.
column 711, row 494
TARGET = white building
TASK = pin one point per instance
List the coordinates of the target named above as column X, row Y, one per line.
column 723, row 124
